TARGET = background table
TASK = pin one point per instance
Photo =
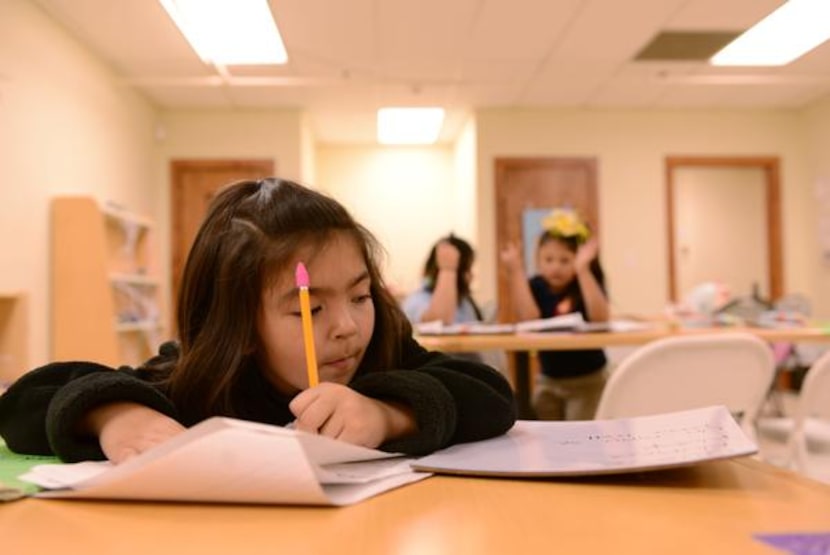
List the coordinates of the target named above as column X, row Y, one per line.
column 520, row 345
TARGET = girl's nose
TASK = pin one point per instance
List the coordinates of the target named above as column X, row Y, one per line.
column 343, row 323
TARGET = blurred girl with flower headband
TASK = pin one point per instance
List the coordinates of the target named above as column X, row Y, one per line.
column 569, row 279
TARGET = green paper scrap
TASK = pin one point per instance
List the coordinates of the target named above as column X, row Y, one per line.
column 14, row 464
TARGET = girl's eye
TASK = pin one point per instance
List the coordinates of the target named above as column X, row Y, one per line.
column 360, row 299
column 314, row 310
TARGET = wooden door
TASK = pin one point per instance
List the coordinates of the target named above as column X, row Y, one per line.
column 768, row 240
column 536, row 183
column 193, row 184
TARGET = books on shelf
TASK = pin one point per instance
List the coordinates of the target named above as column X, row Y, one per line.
column 573, row 322
column 234, row 461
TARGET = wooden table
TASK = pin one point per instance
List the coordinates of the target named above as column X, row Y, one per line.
column 710, row 508
column 520, row 345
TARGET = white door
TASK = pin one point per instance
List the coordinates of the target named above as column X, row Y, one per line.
column 720, row 229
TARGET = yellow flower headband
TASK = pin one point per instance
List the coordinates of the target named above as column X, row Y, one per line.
column 565, row 223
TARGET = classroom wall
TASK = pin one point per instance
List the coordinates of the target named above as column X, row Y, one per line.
column 630, row 147
column 816, row 236
column 279, row 135
column 308, row 155
column 406, row 196
column 466, row 181
column 67, row 127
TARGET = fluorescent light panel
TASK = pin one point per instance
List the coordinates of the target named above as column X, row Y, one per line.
column 792, row 30
column 229, row 32
column 409, row 126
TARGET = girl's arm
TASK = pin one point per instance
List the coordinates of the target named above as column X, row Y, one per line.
column 524, row 305
column 125, row 429
column 44, row 412
column 596, row 303
column 444, row 302
column 452, row 400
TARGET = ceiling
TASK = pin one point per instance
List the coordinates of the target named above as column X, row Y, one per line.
column 349, row 57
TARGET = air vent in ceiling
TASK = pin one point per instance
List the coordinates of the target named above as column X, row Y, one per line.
column 686, row 45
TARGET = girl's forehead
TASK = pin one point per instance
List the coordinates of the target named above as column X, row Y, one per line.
column 553, row 246
column 336, row 257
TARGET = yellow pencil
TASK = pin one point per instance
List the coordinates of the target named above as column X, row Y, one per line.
column 302, row 280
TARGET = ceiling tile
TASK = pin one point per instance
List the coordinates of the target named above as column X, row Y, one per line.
column 718, row 15
column 346, row 59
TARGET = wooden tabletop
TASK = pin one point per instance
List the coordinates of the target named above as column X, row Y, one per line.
column 709, row 508
column 594, row 340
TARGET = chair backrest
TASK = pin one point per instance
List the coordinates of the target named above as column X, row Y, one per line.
column 813, row 401
column 734, row 369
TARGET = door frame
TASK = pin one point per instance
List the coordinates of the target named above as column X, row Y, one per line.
column 770, row 167
column 503, row 165
column 178, row 168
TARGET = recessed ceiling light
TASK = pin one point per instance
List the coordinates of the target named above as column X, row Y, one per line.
column 792, row 30
column 409, row 126
column 229, row 32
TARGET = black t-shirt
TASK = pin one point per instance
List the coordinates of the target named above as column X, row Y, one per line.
column 564, row 364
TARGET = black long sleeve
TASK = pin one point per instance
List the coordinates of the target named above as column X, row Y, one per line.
column 454, row 400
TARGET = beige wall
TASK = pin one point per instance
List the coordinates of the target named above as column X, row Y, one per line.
column 67, row 127
column 466, row 182
column 817, row 208
column 405, row 195
column 278, row 135
column 630, row 147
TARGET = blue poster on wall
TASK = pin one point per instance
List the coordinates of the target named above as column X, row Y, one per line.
column 531, row 230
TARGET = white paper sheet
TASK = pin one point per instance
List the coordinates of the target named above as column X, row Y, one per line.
column 228, row 460
column 579, row 448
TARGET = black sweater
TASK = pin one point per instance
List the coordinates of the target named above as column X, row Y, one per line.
column 454, row 401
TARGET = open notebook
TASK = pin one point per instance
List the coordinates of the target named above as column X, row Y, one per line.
column 232, row 461
column 584, row 448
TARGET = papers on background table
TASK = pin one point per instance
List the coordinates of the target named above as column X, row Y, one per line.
column 235, row 461
column 573, row 322
column 583, row 448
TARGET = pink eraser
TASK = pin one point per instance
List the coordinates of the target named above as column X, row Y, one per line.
column 301, row 276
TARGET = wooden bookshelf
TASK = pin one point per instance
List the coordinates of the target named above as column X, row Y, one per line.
column 14, row 321
column 105, row 289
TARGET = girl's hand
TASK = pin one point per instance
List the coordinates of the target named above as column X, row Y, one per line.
column 446, row 256
column 509, row 256
column 586, row 253
column 336, row 411
column 127, row 429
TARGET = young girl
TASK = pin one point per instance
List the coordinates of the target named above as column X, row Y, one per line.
column 445, row 294
column 241, row 352
column 569, row 279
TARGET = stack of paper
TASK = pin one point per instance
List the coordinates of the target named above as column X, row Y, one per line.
column 229, row 460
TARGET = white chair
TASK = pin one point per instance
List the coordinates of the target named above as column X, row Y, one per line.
column 734, row 369
column 808, row 431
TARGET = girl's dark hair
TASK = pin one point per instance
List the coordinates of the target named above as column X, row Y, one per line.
column 466, row 257
column 251, row 232
column 572, row 244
